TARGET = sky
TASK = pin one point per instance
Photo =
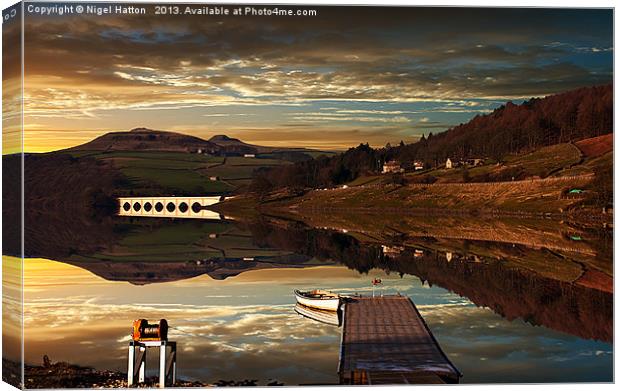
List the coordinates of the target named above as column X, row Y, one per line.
column 331, row 81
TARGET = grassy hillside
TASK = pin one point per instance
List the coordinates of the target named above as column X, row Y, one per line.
column 151, row 172
column 238, row 171
column 537, row 164
column 557, row 179
column 530, row 196
column 596, row 146
column 552, row 161
column 158, row 162
column 597, row 156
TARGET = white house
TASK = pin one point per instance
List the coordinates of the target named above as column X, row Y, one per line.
column 392, row 167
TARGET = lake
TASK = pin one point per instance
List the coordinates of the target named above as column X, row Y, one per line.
column 226, row 289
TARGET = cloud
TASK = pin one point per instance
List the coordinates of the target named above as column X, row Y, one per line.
column 79, row 68
column 337, row 59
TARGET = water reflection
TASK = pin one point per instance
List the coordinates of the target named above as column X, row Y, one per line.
column 245, row 326
column 515, row 281
column 225, row 287
column 333, row 318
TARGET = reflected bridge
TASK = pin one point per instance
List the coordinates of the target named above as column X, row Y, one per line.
column 177, row 207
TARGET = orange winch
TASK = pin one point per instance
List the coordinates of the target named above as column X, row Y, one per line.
column 143, row 331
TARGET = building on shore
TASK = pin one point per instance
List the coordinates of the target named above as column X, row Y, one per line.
column 392, row 167
column 471, row 162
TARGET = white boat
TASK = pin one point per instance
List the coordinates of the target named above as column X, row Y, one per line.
column 329, row 317
column 319, row 299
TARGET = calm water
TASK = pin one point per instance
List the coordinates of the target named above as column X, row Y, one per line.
column 234, row 319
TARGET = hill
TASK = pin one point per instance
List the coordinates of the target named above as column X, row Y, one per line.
column 285, row 153
column 149, row 140
column 224, row 141
column 596, row 146
column 154, row 162
column 227, row 142
column 143, row 139
column 501, row 136
column 511, row 129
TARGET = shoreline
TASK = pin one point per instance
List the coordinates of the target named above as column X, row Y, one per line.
column 547, row 198
column 65, row 375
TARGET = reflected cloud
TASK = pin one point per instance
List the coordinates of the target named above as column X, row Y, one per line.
column 510, row 351
column 226, row 332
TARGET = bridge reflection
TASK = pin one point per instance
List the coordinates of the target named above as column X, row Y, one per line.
column 177, row 207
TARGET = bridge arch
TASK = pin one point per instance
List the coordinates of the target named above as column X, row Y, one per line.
column 177, row 207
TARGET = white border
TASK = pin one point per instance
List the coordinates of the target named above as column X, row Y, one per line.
column 480, row 3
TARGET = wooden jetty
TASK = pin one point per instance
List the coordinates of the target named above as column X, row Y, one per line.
column 386, row 341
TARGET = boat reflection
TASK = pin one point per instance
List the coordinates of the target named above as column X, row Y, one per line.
column 333, row 318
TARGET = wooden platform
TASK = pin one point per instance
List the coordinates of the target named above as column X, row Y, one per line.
column 386, row 341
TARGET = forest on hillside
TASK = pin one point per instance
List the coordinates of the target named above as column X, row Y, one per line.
column 510, row 129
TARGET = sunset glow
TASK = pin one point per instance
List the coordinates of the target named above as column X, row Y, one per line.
column 330, row 81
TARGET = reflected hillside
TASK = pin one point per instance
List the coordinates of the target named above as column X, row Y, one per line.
column 574, row 308
column 143, row 251
column 537, row 233
column 141, row 273
column 558, row 240
column 515, row 281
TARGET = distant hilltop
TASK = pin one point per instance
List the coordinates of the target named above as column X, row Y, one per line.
column 222, row 138
column 145, row 139
column 224, row 141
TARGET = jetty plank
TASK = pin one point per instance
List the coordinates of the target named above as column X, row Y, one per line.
column 386, row 341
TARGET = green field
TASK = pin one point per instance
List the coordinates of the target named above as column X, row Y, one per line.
column 187, row 181
column 148, row 172
column 151, row 155
column 239, row 170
